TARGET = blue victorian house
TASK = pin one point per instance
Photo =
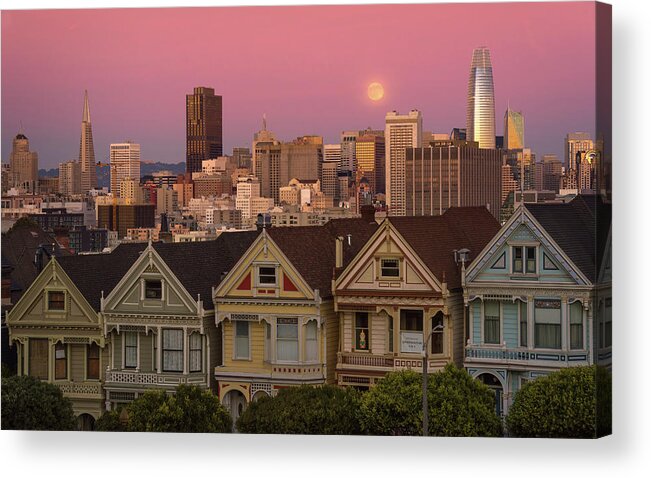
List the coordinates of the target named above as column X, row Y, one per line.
column 534, row 306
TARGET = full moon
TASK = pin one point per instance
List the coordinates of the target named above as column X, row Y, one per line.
column 375, row 91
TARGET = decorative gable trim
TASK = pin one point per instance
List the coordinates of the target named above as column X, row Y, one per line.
column 523, row 217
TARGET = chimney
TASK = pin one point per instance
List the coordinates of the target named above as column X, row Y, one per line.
column 339, row 252
column 368, row 212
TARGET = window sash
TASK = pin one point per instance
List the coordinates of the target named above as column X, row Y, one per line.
column 361, row 331
column 196, row 355
column 524, row 329
column 56, row 300
column 411, row 320
column 153, row 289
column 311, row 348
column 130, row 350
column 38, row 358
column 172, row 350
column 517, row 259
column 287, row 340
column 548, row 336
column 576, row 325
column 92, row 362
column 267, row 275
column 531, row 260
column 60, row 361
column 241, row 340
column 390, row 267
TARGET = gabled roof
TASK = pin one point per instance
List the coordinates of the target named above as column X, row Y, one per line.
column 434, row 238
column 198, row 265
column 580, row 229
column 311, row 249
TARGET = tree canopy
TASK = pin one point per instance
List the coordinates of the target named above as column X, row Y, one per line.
column 189, row 410
column 322, row 410
column 564, row 404
column 30, row 404
column 458, row 405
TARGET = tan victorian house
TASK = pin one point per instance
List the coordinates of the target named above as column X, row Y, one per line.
column 402, row 290
column 59, row 333
column 276, row 311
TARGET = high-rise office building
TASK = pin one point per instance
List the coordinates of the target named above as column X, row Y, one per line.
column 262, row 136
column 332, row 152
column 87, row 151
column 329, row 179
column 401, row 132
column 513, row 129
column 370, row 154
column 267, row 168
column 552, row 172
column 480, row 116
column 348, row 162
column 575, row 144
column 120, row 217
column 23, row 165
column 203, row 115
column 452, row 174
column 124, row 163
column 242, row 157
column 70, row 178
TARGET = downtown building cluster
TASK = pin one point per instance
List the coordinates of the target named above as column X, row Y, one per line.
column 208, row 276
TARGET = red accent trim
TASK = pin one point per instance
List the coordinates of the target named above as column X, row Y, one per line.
column 246, row 283
column 288, row 285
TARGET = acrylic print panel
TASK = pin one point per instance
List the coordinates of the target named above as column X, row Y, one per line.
column 312, row 220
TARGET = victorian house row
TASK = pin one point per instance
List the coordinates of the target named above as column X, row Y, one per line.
column 253, row 312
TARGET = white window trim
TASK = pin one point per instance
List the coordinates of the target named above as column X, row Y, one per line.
column 500, row 342
column 257, row 275
column 300, row 338
column 65, row 301
column 317, row 336
column 400, row 268
column 124, row 349
column 583, row 326
column 368, row 339
column 524, row 245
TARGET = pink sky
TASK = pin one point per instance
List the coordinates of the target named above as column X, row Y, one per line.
column 307, row 68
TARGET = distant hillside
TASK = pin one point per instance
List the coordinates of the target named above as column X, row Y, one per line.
column 103, row 174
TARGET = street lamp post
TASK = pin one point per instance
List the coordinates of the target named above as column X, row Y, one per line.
column 425, row 407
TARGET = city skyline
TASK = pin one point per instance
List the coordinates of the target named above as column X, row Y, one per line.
column 301, row 92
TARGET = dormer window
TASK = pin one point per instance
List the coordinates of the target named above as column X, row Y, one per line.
column 390, row 268
column 267, row 276
column 524, row 259
column 153, row 289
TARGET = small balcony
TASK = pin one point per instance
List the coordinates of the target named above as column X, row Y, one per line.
column 81, row 389
column 476, row 354
column 148, row 379
column 352, row 360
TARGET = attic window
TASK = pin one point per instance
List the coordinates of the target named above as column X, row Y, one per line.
column 153, row 289
column 267, row 275
column 56, row 300
column 390, row 267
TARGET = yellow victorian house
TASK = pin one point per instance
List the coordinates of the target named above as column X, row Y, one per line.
column 403, row 290
column 275, row 310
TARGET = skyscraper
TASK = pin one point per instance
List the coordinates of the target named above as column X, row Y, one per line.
column 203, row 115
column 480, row 117
column 369, row 151
column 576, row 143
column 125, row 164
column 513, row 129
column 23, row 164
column 401, row 132
column 87, row 151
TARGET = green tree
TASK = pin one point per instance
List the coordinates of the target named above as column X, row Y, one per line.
column 29, row 404
column 458, row 405
column 323, row 410
column 563, row 405
column 110, row 422
column 189, row 410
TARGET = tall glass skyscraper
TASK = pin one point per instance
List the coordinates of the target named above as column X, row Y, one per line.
column 480, row 118
column 513, row 129
column 203, row 127
column 87, row 150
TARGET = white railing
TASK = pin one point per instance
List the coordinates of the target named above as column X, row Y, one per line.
column 137, row 378
column 478, row 353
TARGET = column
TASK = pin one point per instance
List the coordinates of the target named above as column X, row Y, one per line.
column 185, row 350
column 159, row 348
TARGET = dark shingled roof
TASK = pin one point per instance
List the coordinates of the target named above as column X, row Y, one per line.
column 198, row 265
column 19, row 246
column 434, row 238
column 311, row 249
column 580, row 229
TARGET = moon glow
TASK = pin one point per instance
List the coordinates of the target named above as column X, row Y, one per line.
column 375, row 91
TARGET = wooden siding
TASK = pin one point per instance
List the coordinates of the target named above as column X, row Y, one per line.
column 77, row 362
column 457, row 339
column 331, row 331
